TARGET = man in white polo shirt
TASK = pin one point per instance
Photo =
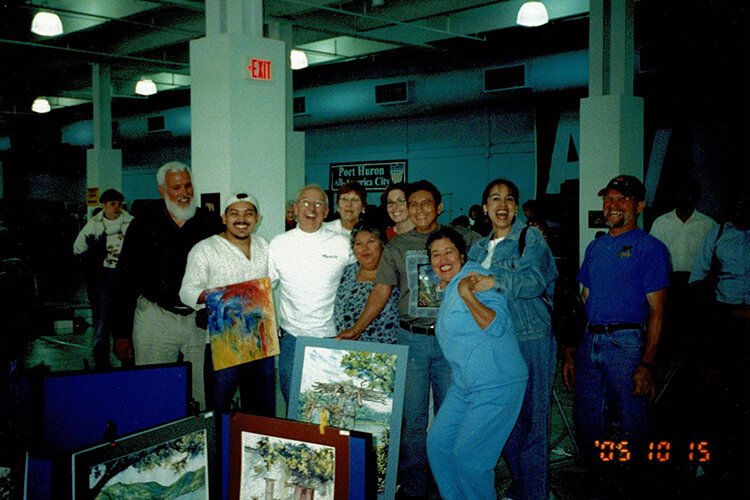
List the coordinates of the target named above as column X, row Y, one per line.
column 306, row 264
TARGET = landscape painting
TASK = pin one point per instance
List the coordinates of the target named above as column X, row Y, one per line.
column 357, row 386
column 12, row 475
column 242, row 323
column 146, row 465
column 277, row 459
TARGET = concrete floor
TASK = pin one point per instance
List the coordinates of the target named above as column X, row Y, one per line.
column 67, row 346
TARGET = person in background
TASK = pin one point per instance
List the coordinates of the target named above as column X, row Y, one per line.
column 153, row 325
column 289, row 221
column 357, row 283
column 723, row 354
column 233, row 256
column 351, row 200
column 99, row 244
column 682, row 230
column 305, row 265
column 625, row 275
column 526, row 277
column 393, row 200
column 478, row 221
column 488, row 373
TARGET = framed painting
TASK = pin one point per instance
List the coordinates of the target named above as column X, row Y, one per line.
column 286, row 460
column 13, row 473
column 354, row 385
column 242, row 323
column 173, row 460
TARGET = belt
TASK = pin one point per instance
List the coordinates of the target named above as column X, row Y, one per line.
column 422, row 330
column 613, row 327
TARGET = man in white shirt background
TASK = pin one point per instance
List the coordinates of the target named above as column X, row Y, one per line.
column 682, row 231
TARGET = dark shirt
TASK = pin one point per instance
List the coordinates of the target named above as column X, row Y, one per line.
column 152, row 261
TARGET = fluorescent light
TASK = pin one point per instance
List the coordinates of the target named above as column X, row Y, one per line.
column 532, row 14
column 47, row 24
column 145, row 87
column 298, row 59
column 40, row 105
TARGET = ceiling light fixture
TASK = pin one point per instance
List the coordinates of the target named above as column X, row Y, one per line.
column 298, row 59
column 532, row 14
column 46, row 24
column 145, row 87
column 40, row 105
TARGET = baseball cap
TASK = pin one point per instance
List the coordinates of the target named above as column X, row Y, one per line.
column 238, row 197
column 627, row 185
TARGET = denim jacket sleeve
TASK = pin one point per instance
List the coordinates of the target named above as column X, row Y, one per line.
column 523, row 279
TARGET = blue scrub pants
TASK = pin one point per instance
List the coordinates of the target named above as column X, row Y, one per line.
column 467, row 437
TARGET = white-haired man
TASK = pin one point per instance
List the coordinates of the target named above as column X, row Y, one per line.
column 153, row 325
column 306, row 265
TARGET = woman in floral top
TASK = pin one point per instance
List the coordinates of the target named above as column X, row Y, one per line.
column 356, row 284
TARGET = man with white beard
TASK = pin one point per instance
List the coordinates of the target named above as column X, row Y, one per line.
column 152, row 325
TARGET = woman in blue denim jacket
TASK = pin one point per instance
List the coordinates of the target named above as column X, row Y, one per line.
column 527, row 280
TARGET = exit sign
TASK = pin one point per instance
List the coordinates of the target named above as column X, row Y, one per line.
column 260, row 69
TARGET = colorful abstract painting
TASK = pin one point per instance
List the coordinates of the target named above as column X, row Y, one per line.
column 242, row 323
column 354, row 385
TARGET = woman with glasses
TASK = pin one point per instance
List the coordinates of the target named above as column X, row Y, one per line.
column 357, row 283
column 525, row 272
column 393, row 200
column 351, row 200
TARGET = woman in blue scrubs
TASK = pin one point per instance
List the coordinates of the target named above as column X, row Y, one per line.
column 489, row 375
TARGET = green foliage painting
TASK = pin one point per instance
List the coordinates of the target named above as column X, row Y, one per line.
column 350, row 390
column 168, row 470
column 283, row 468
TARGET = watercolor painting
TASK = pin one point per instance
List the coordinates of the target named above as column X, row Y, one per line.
column 277, row 459
column 357, row 386
column 242, row 323
column 172, row 461
column 285, row 469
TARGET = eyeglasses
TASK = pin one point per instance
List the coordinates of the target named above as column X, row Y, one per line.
column 315, row 203
column 397, row 201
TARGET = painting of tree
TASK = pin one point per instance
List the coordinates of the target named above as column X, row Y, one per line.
column 291, row 465
column 168, row 461
column 357, row 386
column 278, row 459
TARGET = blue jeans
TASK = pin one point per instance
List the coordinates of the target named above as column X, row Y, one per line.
column 526, row 452
column 255, row 381
column 604, row 366
column 427, row 368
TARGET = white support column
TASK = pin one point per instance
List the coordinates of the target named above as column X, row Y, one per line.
column 103, row 164
column 611, row 118
column 239, row 119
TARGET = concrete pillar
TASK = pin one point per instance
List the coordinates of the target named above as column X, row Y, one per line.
column 239, row 115
column 295, row 141
column 611, row 117
column 103, row 164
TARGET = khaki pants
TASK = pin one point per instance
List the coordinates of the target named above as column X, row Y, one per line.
column 159, row 336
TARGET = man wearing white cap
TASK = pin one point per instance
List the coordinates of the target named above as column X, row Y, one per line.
column 233, row 256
